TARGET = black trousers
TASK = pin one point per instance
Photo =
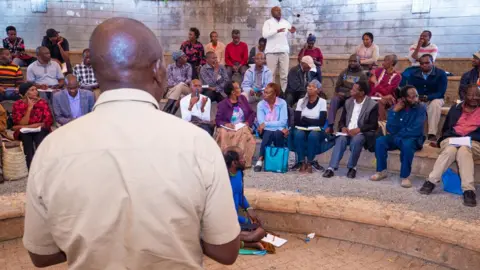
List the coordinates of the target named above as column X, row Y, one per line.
column 213, row 95
column 292, row 97
column 30, row 142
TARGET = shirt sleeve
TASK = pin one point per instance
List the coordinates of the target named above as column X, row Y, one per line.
column 59, row 71
column 186, row 114
column 65, row 45
column 37, row 237
column 219, row 222
column 268, row 30
column 410, row 52
column 18, row 111
column 206, row 112
column 30, row 74
column 47, row 115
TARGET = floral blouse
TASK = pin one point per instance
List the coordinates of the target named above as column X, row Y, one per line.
column 194, row 52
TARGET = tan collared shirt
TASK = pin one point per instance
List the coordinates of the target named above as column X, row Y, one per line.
column 128, row 187
column 219, row 51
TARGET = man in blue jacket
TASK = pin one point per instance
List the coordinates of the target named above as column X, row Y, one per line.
column 256, row 79
column 463, row 120
column 405, row 132
column 431, row 84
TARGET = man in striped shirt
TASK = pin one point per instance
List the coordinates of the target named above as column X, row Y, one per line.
column 422, row 47
column 11, row 77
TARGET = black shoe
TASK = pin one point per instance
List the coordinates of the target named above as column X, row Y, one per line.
column 328, row 173
column 174, row 109
column 257, row 168
column 469, row 198
column 317, row 167
column 427, row 188
column 296, row 167
column 170, row 104
column 432, row 138
column 351, row 173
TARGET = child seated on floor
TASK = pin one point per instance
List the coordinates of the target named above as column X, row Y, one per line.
column 252, row 232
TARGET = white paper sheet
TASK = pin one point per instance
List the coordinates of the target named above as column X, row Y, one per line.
column 237, row 127
column 30, row 130
column 461, row 141
column 274, row 240
column 308, row 128
column 46, row 90
column 376, row 98
column 341, row 134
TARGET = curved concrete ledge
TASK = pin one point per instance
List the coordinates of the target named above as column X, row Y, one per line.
column 450, row 242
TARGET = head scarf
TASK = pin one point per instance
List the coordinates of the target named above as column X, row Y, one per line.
column 23, row 88
column 317, row 84
column 177, row 54
column 311, row 38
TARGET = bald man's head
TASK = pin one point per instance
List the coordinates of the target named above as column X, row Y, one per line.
column 126, row 54
column 71, row 84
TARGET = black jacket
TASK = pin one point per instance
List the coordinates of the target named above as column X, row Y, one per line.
column 296, row 79
column 452, row 118
column 469, row 77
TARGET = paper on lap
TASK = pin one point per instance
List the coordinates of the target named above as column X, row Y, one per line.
column 49, row 90
column 236, row 128
column 308, row 128
column 461, row 141
column 30, row 130
column 376, row 98
column 341, row 134
column 274, row 240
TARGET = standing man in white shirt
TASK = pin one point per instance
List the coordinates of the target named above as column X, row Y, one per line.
column 278, row 51
column 143, row 189
column 195, row 108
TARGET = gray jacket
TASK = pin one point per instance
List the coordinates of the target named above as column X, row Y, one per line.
column 61, row 105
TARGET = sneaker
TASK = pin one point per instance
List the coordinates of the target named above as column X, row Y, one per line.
column 258, row 166
column 379, row 176
column 296, row 167
column 303, row 168
column 469, row 198
column 328, row 173
column 351, row 173
column 406, row 183
column 432, row 138
column 317, row 167
column 427, row 188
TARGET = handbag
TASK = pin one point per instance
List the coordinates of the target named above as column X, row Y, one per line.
column 14, row 162
column 276, row 159
column 451, row 182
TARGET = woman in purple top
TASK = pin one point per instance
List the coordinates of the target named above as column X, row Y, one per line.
column 234, row 119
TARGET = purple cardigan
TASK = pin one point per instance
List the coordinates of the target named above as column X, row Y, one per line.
column 225, row 111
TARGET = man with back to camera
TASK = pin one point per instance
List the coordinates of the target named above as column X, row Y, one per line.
column 128, row 199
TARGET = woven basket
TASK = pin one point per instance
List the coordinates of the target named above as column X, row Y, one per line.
column 14, row 163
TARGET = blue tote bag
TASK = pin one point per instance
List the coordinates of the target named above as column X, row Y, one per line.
column 452, row 182
column 276, row 159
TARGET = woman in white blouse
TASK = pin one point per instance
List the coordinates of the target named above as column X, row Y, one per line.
column 310, row 116
column 195, row 108
column 368, row 52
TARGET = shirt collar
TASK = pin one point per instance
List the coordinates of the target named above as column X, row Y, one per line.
column 364, row 98
column 125, row 94
column 73, row 98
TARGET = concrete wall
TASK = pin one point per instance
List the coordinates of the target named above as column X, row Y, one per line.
column 338, row 24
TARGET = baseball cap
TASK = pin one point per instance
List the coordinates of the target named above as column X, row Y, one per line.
column 52, row 32
column 309, row 61
column 477, row 54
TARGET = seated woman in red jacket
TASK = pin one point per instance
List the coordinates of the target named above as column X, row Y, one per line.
column 234, row 119
column 29, row 113
column 383, row 84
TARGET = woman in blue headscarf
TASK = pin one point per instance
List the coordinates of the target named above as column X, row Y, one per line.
column 315, row 52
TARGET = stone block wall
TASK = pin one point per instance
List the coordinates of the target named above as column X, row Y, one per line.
column 338, row 24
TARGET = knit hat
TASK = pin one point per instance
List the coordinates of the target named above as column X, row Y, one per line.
column 177, row 54
column 309, row 61
column 23, row 88
column 317, row 84
column 311, row 38
column 477, row 54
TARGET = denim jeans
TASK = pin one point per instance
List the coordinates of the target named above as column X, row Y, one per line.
column 268, row 137
column 356, row 144
column 306, row 140
column 407, row 152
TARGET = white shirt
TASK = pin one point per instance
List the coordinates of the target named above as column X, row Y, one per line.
column 128, row 187
column 196, row 109
column 431, row 49
column 357, row 108
column 313, row 113
column 276, row 42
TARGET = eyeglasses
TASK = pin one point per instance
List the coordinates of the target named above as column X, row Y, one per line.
column 424, row 63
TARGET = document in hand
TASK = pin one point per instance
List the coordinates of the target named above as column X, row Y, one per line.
column 46, row 90
column 461, row 141
column 341, row 134
column 237, row 127
column 30, row 130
